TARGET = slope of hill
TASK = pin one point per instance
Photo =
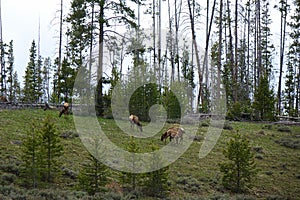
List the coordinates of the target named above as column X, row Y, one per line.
column 277, row 154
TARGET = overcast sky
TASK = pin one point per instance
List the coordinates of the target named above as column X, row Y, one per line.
column 20, row 22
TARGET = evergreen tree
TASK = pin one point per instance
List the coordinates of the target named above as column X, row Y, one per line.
column 30, row 157
column 187, row 69
column 93, row 175
column 156, row 182
column 289, row 92
column 50, row 150
column 264, row 101
column 240, row 170
column 171, row 104
column 294, row 52
column 46, row 79
column 132, row 179
column 2, row 68
column 32, row 79
column 41, row 150
column 39, row 79
column 16, row 92
column 81, row 32
column 267, row 47
column 55, row 91
column 66, row 81
column 10, row 71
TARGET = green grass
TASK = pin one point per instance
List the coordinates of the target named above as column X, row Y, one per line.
column 189, row 177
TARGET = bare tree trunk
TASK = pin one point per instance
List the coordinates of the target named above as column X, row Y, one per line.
column 171, row 44
column 235, row 82
column 231, row 55
column 208, row 31
column 177, row 18
column 200, row 94
column 159, row 44
column 154, row 36
column 248, row 47
column 297, row 86
column 259, row 50
column 220, row 50
column 99, row 99
column 60, row 45
column 282, row 44
column 207, row 42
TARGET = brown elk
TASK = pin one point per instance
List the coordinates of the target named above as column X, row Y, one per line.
column 65, row 109
column 174, row 132
column 3, row 99
column 134, row 120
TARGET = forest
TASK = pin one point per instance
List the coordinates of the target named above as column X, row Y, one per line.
column 232, row 46
column 190, row 62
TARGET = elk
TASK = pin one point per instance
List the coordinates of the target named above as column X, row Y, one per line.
column 134, row 120
column 174, row 132
column 65, row 109
column 3, row 99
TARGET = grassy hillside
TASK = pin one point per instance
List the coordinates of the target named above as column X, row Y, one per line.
column 277, row 154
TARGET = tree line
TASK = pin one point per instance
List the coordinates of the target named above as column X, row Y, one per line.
column 239, row 56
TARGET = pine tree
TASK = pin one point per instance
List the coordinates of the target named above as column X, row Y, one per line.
column 156, row 182
column 66, row 81
column 30, row 157
column 32, row 79
column 289, row 92
column 2, row 67
column 264, row 101
column 93, row 175
column 10, row 71
column 16, row 92
column 81, row 33
column 41, row 150
column 294, row 51
column 187, row 69
column 46, row 79
column 132, row 179
column 50, row 150
column 240, row 169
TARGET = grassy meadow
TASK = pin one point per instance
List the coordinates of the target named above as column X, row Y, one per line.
column 276, row 148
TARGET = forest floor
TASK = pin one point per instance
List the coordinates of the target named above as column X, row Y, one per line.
column 276, row 148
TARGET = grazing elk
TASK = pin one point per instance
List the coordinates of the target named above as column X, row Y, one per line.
column 134, row 120
column 65, row 109
column 3, row 99
column 174, row 132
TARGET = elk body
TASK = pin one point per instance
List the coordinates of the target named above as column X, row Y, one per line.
column 174, row 132
column 3, row 99
column 65, row 109
column 134, row 120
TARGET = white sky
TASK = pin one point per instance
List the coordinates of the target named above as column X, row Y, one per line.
column 20, row 22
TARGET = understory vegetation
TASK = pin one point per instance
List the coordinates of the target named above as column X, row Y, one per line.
column 75, row 174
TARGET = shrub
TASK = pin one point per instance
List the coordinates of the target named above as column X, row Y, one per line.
column 258, row 149
column 205, row 124
column 227, row 126
column 10, row 168
column 6, row 178
column 276, row 197
column 267, row 126
column 289, row 143
column 284, row 129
